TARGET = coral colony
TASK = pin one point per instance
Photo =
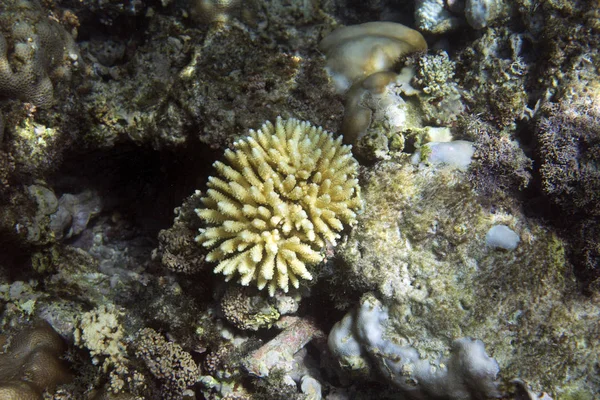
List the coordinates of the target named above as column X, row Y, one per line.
column 284, row 194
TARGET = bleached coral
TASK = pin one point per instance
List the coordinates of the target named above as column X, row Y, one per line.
column 101, row 332
column 284, row 192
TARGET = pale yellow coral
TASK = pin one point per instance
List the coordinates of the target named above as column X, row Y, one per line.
column 100, row 331
column 282, row 194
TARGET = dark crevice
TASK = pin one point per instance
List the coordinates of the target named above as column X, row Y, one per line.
column 141, row 184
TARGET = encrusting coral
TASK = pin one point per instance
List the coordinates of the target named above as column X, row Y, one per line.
column 286, row 191
column 168, row 362
column 246, row 310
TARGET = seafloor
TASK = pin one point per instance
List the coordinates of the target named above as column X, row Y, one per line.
column 160, row 239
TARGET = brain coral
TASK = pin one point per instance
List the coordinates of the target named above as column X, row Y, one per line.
column 283, row 192
column 36, row 52
column 30, row 364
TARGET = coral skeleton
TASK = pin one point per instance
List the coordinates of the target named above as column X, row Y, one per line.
column 283, row 193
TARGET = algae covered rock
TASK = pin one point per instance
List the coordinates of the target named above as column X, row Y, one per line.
column 568, row 135
column 462, row 371
column 421, row 245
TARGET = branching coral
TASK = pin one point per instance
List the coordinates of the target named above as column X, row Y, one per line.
column 284, row 192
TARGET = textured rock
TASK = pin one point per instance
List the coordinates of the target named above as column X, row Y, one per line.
column 466, row 373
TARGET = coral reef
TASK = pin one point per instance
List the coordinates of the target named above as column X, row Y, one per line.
column 388, row 110
column 285, row 192
column 500, row 166
column 441, row 99
column 569, row 148
column 497, row 72
column 475, row 248
column 442, row 16
column 213, row 11
column 278, row 354
column 44, row 219
column 247, row 310
column 374, row 101
column 360, row 61
column 566, row 149
column 176, row 249
column 184, row 85
column 480, row 13
column 101, row 333
column 36, row 148
column 356, row 52
column 73, row 213
column 433, row 16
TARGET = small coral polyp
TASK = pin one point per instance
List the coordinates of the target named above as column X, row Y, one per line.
column 283, row 193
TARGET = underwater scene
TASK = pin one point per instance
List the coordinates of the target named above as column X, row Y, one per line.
column 299, row 199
